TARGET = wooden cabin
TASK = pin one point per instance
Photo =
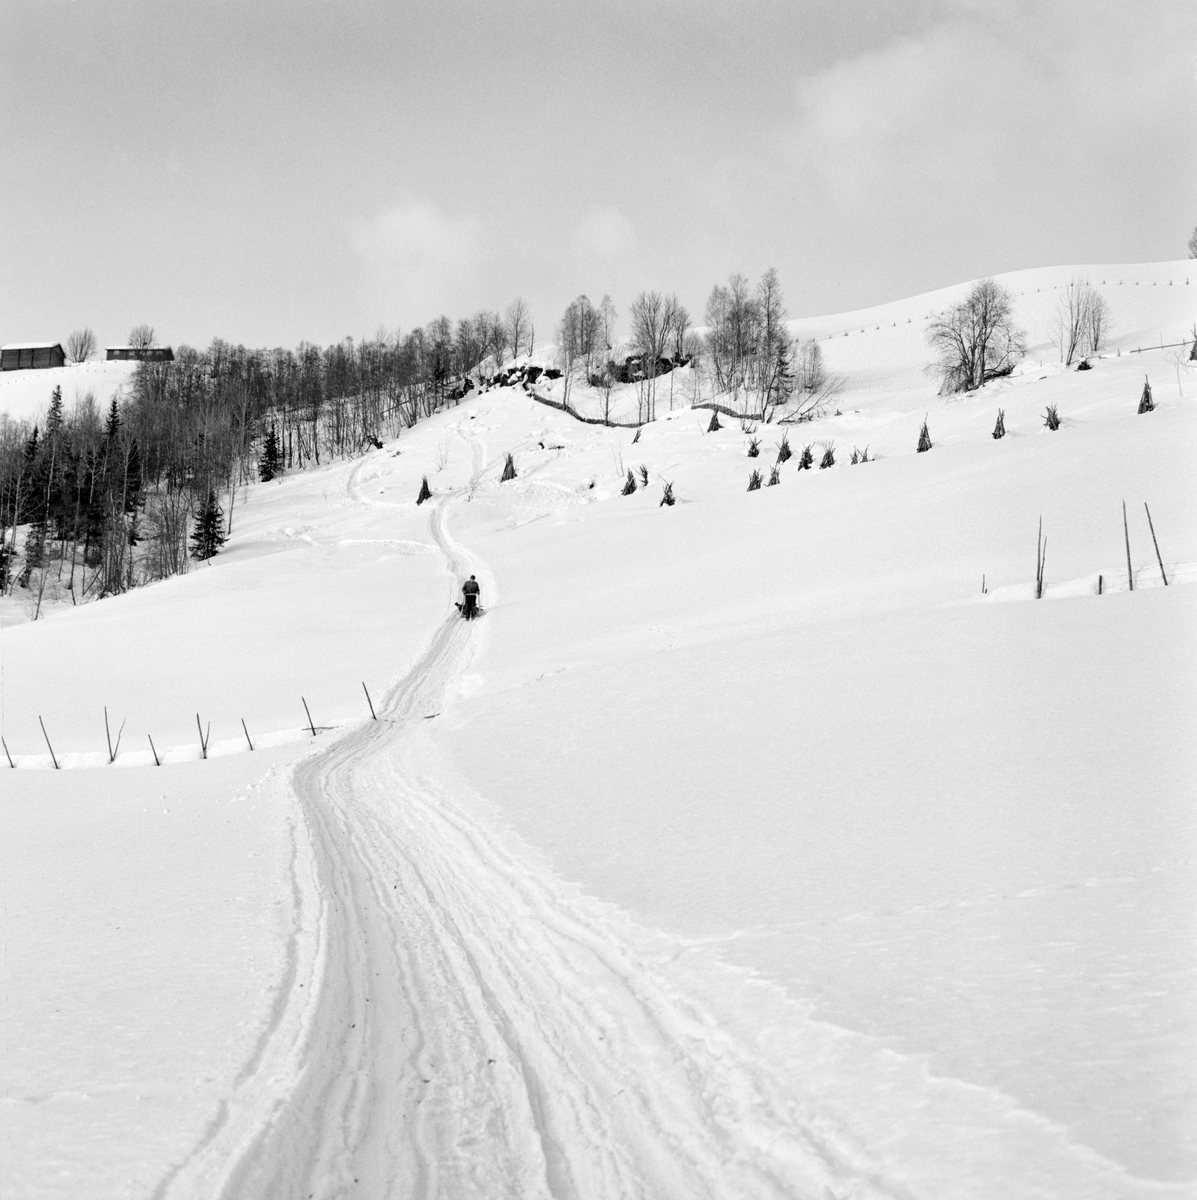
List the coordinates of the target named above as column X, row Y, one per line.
column 25, row 356
column 140, row 354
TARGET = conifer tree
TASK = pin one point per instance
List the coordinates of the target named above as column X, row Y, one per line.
column 54, row 419
column 112, row 423
column 270, row 461
column 208, row 535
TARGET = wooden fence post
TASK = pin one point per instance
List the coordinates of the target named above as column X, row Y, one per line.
column 1156, row 544
column 53, row 759
column 1130, row 575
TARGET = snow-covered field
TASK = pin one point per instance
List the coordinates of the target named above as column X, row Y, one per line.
column 25, row 395
column 744, row 848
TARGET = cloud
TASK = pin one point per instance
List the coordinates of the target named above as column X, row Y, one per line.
column 1027, row 126
column 418, row 260
column 604, row 235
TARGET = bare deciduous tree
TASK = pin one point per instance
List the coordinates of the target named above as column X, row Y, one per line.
column 81, row 345
column 1081, row 320
column 977, row 339
column 141, row 337
column 1193, row 243
column 607, row 316
column 518, row 323
column 649, row 332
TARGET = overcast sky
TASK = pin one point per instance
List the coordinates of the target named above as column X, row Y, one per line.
column 268, row 172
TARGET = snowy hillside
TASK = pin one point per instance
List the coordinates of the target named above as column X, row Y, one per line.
column 745, row 847
column 25, row 395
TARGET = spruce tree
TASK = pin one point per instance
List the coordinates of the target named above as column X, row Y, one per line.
column 270, row 462
column 112, row 423
column 54, row 419
column 208, row 535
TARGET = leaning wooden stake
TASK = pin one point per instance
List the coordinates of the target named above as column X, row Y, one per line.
column 112, row 753
column 1130, row 575
column 1040, row 561
column 1156, row 545
column 157, row 761
column 7, row 755
column 251, row 745
column 369, row 701
column 203, row 738
column 307, row 710
column 47, row 737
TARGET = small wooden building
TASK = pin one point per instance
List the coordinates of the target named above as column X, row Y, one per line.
column 24, row 356
column 140, row 354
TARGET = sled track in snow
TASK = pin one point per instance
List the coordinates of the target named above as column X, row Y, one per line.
column 478, row 1031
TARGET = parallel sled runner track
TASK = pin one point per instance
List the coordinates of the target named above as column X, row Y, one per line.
column 480, row 1031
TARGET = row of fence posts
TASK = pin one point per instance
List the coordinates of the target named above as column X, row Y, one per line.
column 204, row 735
column 1041, row 557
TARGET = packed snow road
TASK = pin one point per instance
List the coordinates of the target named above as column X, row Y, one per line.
column 475, row 1031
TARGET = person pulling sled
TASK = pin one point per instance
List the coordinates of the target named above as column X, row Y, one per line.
column 470, row 592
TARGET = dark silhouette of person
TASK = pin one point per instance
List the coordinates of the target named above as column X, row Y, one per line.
column 470, row 591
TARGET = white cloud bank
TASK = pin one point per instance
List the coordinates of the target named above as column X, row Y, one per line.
column 418, row 260
column 603, row 235
column 1037, row 131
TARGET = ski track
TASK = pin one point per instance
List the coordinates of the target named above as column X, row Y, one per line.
column 470, row 1028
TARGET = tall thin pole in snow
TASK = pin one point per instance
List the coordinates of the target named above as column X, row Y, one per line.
column 1156, row 545
column 1130, row 575
column 53, row 759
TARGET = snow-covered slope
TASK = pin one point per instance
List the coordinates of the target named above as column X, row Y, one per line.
column 744, row 848
column 25, row 395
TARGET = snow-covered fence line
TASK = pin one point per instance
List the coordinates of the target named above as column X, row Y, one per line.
column 564, row 407
column 184, row 752
column 1161, row 346
column 1100, row 584
column 723, row 410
